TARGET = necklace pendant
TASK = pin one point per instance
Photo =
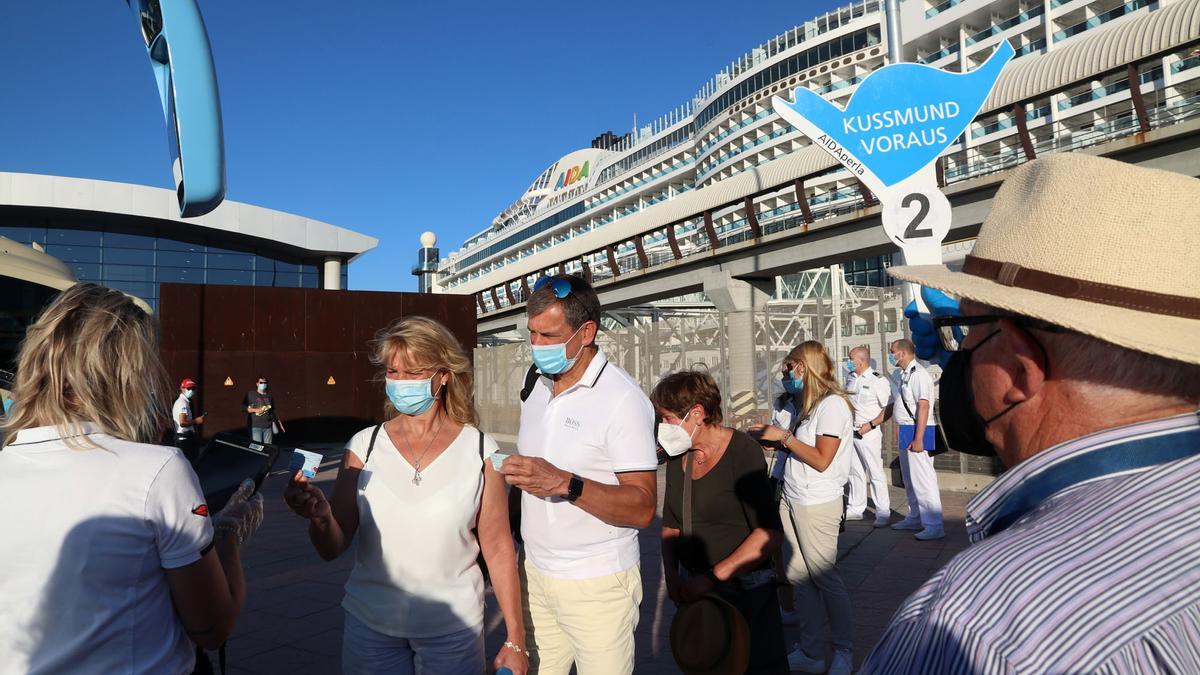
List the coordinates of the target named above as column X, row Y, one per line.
column 416, row 478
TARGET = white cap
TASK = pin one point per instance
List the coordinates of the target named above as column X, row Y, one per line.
column 428, row 240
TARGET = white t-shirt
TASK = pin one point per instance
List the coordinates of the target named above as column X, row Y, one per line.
column 601, row 426
column 415, row 571
column 870, row 393
column 182, row 407
column 915, row 384
column 802, row 483
column 84, row 542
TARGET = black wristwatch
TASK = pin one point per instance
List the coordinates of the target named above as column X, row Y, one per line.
column 574, row 488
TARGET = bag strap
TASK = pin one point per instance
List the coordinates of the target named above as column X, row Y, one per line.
column 531, row 378
column 480, row 444
column 902, row 401
column 371, row 446
column 687, row 495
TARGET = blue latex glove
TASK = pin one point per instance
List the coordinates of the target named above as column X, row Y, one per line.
column 929, row 346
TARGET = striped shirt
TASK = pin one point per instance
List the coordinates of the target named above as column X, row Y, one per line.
column 1100, row 577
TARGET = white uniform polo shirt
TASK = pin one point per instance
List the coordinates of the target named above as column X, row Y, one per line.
column 915, row 385
column 601, row 426
column 870, row 393
column 182, row 406
column 83, row 549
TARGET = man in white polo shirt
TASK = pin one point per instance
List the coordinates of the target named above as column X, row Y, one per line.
column 913, row 411
column 870, row 394
column 586, row 464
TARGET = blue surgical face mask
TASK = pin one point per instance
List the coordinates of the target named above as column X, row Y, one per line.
column 892, row 360
column 188, row 393
column 849, row 366
column 552, row 359
column 792, row 385
column 410, row 397
column 262, row 387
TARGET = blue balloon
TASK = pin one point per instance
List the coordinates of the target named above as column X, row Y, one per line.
column 929, row 346
column 177, row 44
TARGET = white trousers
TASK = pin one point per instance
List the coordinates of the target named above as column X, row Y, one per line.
column 921, row 487
column 866, row 467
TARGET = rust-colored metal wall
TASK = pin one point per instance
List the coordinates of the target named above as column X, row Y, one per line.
column 299, row 338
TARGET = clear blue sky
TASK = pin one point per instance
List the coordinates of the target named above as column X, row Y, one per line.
column 381, row 116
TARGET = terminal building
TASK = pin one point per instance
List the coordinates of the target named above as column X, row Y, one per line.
column 131, row 237
column 1085, row 72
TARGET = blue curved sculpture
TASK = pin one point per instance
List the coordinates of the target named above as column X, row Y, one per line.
column 916, row 109
column 177, row 44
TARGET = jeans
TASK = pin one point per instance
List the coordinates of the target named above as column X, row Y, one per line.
column 262, row 434
column 366, row 651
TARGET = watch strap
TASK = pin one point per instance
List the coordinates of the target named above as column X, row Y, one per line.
column 574, row 488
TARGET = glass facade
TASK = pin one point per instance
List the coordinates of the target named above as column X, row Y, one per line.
column 136, row 262
column 869, row 271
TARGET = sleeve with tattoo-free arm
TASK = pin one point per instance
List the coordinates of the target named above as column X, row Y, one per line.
column 630, row 435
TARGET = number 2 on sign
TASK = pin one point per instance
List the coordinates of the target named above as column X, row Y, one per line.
column 914, row 231
column 916, row 216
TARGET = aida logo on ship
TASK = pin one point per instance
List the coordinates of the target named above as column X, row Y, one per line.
column 572, row 175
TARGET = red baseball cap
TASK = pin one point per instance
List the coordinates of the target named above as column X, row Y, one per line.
column 187, row 382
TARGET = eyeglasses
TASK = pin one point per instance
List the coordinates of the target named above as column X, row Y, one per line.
column 952, row 331
column 189, row 388
column 561, row 287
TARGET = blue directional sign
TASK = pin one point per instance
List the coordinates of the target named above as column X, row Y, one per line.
column 177, row 44
column 900, row 118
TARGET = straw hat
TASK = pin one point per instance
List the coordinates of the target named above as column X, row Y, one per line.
column 710, row 637
column 1098, row 246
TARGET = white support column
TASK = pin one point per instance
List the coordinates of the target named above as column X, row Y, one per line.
column 333, row 274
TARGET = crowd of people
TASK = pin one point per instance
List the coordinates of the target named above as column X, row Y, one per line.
column 1080, row 373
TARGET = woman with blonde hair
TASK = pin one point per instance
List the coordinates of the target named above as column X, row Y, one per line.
column 414, row 490
column 819, row 443
column 108, row 559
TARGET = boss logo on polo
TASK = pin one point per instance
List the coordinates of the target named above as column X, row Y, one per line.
column 573, row 424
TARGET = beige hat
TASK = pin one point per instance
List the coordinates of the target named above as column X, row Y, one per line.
column 1101, row 247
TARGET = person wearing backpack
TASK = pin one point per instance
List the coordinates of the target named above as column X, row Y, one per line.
column 424, row 502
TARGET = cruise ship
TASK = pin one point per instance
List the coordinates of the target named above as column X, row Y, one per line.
column 1069, row 87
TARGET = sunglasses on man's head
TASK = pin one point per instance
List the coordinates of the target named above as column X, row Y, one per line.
column 559, row 286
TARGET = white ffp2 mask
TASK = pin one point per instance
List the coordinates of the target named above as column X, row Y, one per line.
column 673, row 439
